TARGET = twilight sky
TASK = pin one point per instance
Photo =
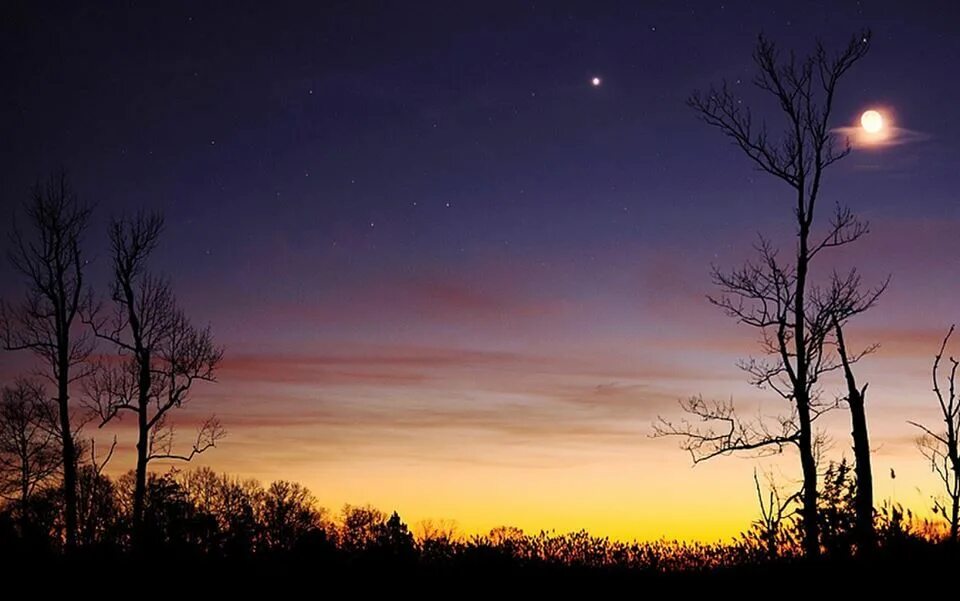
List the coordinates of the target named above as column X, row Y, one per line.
column 455, row 278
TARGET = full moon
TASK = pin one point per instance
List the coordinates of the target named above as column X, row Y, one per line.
column 595, row 82
column 872, row 121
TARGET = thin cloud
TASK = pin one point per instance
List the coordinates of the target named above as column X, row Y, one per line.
column 891, row 136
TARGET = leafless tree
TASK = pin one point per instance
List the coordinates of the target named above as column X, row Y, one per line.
column 29, row 453
column 97, row 507
column 161, row 354
column 774, row 510
column 359, row 526
column 843, row 299
column 856, row 397
column 236, row 505
column 774, row 296
column 50, row 258
column 289, row 512
column 942, row 447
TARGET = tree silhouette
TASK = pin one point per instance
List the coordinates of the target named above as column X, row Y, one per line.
column 856, row 397
column 97, row 508
column 774, row 512
column 844, row 299
column 394, row 542
column 289, row 513
column 50, row 258
column 28, row 443
column 838, row 510
column 942, row 448
column 360, row 527
column 170, row 521
column 775, row 296
column 236, row 505
column 437, row 540
column 29, row 453
column 161, row 354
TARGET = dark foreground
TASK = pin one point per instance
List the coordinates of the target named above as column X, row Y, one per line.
column 179, row 577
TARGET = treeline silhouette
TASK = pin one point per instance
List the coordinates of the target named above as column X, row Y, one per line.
column 202, row 514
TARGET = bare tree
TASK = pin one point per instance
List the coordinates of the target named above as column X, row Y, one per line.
column 942, row 448
column 856, row 397
column 49, row 257
column 289, row 512
column 845, row 298
column 161, row 354
column 234, row 504
column 29, row 445
column 774, row 296
column 774, row 510
column 359, row 526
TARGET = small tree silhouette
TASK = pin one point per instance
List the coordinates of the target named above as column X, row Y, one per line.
column 359, row 527
column 393, row 541
column 774, row 514
column 838, row 511
column 236, row 505
column 97, row 507
column 29, row 453
column 289, row 514
column 942, row 448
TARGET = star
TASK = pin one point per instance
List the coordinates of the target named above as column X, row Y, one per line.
column 595, row 82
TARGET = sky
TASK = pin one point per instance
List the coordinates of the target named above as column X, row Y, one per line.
column 455, row 278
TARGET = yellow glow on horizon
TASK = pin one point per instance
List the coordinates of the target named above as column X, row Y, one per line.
column 645, row 496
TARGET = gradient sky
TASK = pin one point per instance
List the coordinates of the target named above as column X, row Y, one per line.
column 454, row 278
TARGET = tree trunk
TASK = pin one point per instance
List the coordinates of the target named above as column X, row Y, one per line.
column 864, row 472
column 954, row 518
column 69, row 450
column 140, row 489
column 955, row 505
column 24, row 496
column 143, row 443
column 861, row 450
column 808, row 463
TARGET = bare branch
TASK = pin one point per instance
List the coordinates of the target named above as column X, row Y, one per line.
column 209, row 434
column 942, row 448
column 29, row 453
column 716, row 430
column 98, row 466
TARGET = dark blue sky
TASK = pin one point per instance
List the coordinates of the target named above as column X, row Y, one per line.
column 310, row 123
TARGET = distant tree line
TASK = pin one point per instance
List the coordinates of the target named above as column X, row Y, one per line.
column 203, row 514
